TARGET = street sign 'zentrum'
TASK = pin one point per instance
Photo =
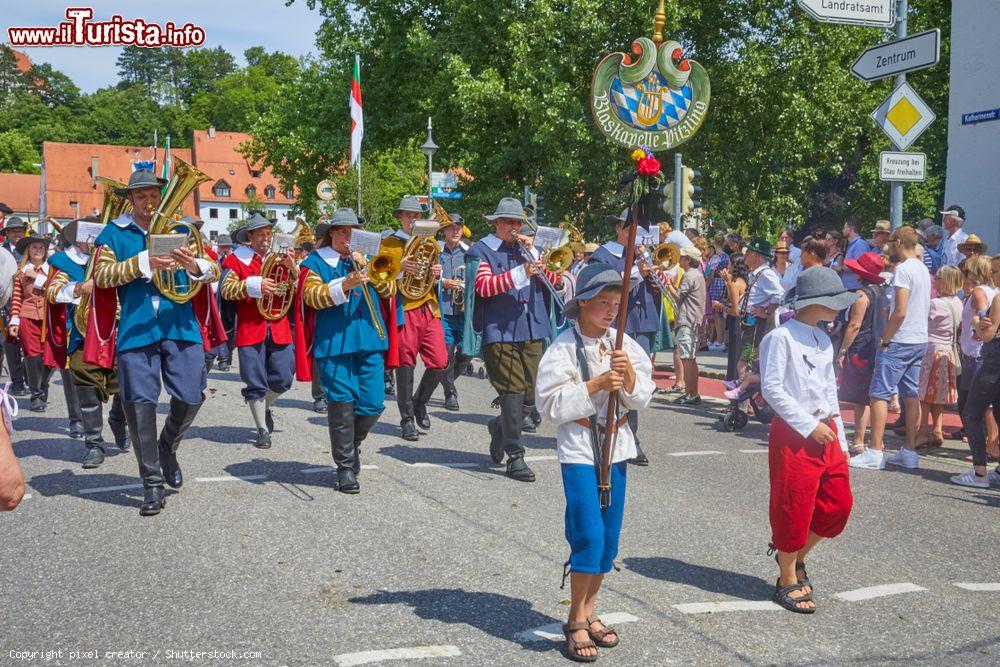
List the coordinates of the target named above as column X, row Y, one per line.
column 909, row 54
column 878, row 13
column 903, row 116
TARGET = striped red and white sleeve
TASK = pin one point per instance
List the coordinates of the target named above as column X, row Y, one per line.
column 488, row 285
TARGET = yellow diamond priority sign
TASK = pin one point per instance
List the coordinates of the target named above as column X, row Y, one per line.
column 903, row 116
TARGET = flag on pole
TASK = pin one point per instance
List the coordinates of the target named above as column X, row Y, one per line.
column 357, row 116
column 166, row 159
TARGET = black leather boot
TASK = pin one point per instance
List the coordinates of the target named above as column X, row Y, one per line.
column 633, row 425
column 15, row 368
column 92, row 418
column 390, row 383
column 428, row 383
column 511, row 419
column 340, row 421
column 117, row 424
column 536, row 416
column 519, row 471
column 496, row 440
column 141, row 418
column 527, row 425
column 33, row 369
column 448, row 380
column 362, row 425
column 404, row 401
column 94, row 457
column 72, row 404
column 180, row 418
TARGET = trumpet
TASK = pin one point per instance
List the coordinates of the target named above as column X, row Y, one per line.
column 186, row 178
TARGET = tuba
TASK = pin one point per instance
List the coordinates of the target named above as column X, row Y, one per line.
column 178, row 288
column 114, row 205
column 424, row 251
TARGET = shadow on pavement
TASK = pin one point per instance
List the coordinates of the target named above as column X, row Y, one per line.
column 500, row 616
column 59, row 448
column 420, row 454
column 699, row 576
column 68, row 483
column 228, row 435
column 286, row 472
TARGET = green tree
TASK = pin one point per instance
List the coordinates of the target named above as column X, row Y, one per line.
column 202, row 70
column 386, row 176
column 17, row 154
column 11, row 78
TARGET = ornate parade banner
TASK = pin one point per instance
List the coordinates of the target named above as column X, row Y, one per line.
column 656, row 102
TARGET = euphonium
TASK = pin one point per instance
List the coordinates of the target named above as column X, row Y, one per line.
column 114, row 205
column 424, row 251
column 277, row 305
column 179, row 289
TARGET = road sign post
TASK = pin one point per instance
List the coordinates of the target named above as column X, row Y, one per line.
column 896, row 187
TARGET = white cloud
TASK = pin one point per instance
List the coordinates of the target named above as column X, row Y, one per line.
column 234, row 25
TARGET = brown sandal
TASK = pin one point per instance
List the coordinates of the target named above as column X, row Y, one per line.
column 573, row 647
column 599, row 635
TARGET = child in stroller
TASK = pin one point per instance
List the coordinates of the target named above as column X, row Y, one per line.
column 745, row 390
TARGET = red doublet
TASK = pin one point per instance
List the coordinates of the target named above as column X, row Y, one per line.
column 810, row 487
column 251, row 326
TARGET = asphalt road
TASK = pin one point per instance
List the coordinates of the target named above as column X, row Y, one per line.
column 258, row 560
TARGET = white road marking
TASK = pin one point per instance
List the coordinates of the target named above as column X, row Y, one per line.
column 411, row 653
column 759, row 450
column 553, row 632
column 968, row 587
column 730, row 605
column 26, row 496
column 232, row 478
column 310, row 471
column 541, row 458
column 707, row 452
column 424, row 464
column 102, row 489
column 871, row 592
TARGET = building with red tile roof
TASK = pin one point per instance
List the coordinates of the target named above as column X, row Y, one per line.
column 21, row 192
column 235, row 183
column 69, row 175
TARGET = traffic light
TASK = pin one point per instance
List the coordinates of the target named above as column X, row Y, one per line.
column 689, row 190
column 666, row 191
column 539, row 209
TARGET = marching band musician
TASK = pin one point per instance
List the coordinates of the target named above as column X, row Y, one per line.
column 420, row 329
column 451, row 298
column 341, row 327
column 511, row 311
column 267, row 360
column 14, row 229
column 159, row 342
column 227, row 309
column 93, row 385
column 643, row 320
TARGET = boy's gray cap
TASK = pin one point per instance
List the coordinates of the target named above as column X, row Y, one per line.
column 822, row 286
column 590, row 282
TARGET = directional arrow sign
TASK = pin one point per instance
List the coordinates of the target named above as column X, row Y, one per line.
column 903, row 116
column 909, row 54
column 880, row 13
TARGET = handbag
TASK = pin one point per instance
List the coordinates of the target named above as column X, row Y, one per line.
column 956, row 320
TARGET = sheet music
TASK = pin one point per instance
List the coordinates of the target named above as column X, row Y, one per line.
column 425, row 228
column 161, row 245
column 282, row 243
column 86, row 232
column 646, row 236
column 364, row 242
column 548, row 237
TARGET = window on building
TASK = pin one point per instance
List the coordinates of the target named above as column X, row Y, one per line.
column 233, row 212
column 272, row 214
column 221, row 188
column 269, row 192
column 213, row 213
column 289, row 215
column 289, row 194
column 251, row 191
column 255, row 173
column 213, row 235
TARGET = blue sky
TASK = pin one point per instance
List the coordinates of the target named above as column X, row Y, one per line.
column 234, row 25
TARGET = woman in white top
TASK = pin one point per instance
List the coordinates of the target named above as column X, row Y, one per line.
column 937, row 385
column 980, row 290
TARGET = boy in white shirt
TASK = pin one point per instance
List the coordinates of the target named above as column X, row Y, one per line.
column 810, row 486
column 574, row 395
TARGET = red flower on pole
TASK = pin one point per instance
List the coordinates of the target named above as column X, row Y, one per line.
column 649, row 166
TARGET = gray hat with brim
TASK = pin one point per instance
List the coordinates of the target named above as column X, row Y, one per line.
column 23, row 244
column 256, row 221
column 141, row 178
column 411, row 204
column 509, row 208
column 15, row 222
column 342, row 217
column 617, row 220
column 592, row 280
column 223, row 239
column 820, row 286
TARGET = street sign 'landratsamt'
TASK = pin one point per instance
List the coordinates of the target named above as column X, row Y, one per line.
column 879, row 13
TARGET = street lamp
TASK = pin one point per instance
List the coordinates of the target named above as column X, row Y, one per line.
column 430, row 148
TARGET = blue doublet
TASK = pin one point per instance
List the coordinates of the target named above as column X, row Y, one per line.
column 643, row 301
column 346, row 346
column 76, row 273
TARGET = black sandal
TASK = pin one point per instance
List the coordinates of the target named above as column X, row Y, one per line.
column 599, row 635
column 573, row 647
column 783, row 597
column 800, row 566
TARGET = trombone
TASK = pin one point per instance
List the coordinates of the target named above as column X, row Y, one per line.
column 557, row 300
column 664, row 257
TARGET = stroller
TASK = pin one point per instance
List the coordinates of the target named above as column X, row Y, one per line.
column 736, row 418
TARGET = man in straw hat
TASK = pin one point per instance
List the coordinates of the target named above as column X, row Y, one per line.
column 159, row 343
column 267, row 360
column 645, row 302
column 511, row 310
column 420, row 330
column 342, row 332
column 810, row 484
column 93, row 385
